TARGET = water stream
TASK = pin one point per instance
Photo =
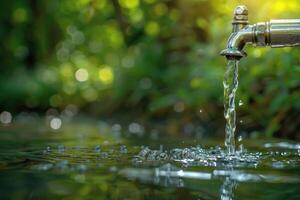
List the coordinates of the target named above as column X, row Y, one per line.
column 230, row 84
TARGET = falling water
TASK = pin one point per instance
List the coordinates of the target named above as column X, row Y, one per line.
column 230, row 86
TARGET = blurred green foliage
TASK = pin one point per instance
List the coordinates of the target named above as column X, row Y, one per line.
column 150, row 57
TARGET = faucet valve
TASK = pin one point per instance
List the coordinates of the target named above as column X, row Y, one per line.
column 240, row 15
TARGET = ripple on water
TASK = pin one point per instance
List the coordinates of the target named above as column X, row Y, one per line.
column 280, row 156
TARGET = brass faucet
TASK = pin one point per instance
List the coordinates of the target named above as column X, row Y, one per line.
column 274, row 33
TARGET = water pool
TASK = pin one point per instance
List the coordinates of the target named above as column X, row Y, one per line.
column 93, row 161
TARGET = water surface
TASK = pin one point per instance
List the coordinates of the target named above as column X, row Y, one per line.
column 88, row 161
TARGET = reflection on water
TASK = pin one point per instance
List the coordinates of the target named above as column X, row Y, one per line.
column 170, row 175
column 227, row 189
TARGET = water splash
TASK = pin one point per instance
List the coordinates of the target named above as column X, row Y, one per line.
column 197, row 156
column 230, row 84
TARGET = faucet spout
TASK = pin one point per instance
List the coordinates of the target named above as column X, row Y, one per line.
column 237, row 42
column 240, row 36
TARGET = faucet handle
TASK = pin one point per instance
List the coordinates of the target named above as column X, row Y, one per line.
column 241, row 10
column 240, row 15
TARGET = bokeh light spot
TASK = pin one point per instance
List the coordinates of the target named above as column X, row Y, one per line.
column 82, row 75
column 20, row 15
column 5, row 117
column 129, row 3
column 152, row 28
column 55, row 123
column 106, row 75
column 160, row 9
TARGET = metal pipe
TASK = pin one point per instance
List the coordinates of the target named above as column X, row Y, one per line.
column 275, row 33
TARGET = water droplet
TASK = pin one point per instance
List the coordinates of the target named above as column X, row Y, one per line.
column 240, row 138
column 241, row 103
column 285, row 153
